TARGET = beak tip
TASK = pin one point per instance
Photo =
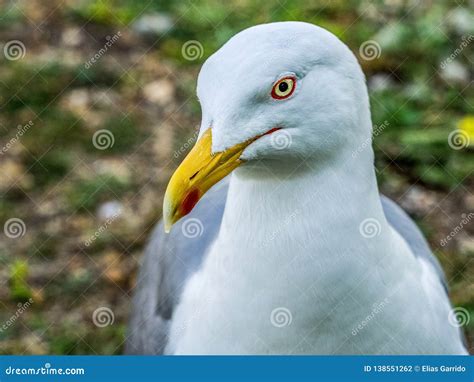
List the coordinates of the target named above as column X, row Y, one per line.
column 167, row 215
column 167, row 222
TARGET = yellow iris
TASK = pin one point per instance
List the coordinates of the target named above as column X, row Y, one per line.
column 283, row 88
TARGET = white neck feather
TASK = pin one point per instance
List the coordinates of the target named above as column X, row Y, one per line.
column 301, row 203
column 291, row 246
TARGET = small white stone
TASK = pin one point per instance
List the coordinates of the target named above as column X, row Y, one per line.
column 155, row 24
column 160, row 92
column 110, row 210
column 461, row 20
column 466, row 244
column 418, row 201
column 380, row 82
column 72, row 37
column 454, row 72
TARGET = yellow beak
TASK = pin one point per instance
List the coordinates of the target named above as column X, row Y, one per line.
column 198, row 172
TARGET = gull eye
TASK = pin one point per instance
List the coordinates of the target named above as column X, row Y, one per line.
column 284, row 87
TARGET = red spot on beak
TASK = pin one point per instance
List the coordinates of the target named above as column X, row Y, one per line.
column 189, row 202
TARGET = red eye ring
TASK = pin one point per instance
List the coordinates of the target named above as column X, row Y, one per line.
column 284, row 88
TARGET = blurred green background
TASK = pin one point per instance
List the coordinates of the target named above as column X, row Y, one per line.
column 98, row 108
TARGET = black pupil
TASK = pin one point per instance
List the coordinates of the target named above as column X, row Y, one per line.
column 283, row 87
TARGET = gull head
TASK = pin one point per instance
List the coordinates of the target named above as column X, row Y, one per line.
column 273, row 94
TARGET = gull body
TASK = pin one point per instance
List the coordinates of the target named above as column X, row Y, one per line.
column 296, row 251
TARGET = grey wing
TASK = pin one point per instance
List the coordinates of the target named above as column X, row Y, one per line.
column 407, row 228
column 169, row 261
